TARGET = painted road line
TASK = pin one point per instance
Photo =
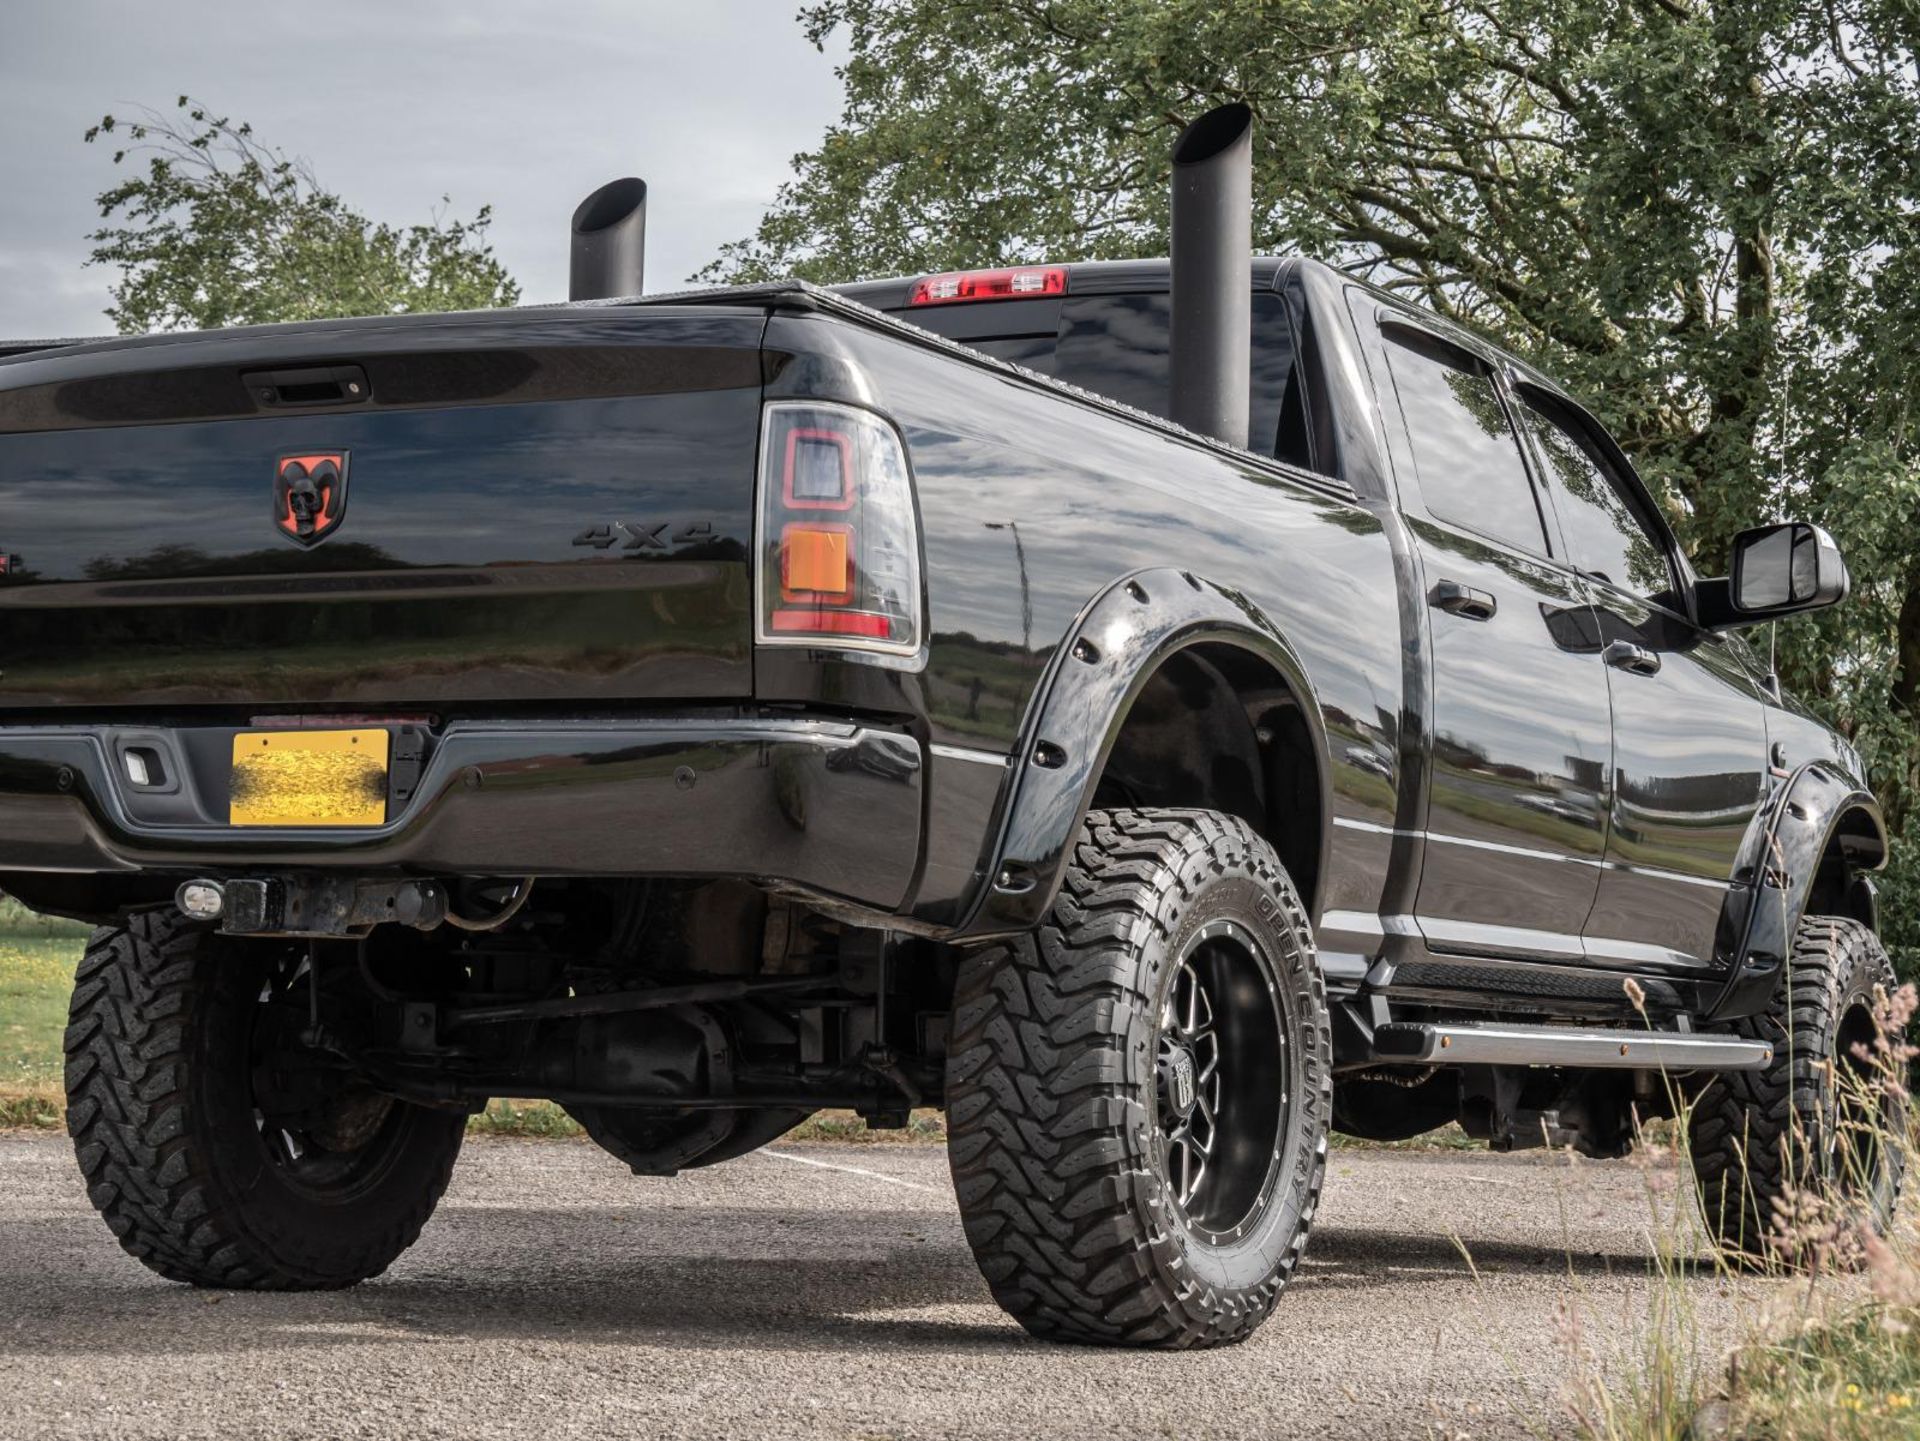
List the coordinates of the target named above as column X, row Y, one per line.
column 851, row 1171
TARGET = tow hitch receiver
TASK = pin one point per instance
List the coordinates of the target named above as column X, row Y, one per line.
column 312, row 905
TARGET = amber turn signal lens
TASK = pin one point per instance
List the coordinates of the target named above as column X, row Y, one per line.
column 814, row 561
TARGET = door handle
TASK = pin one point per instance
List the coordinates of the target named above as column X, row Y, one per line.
column 1462, row 600
column 1625, row 655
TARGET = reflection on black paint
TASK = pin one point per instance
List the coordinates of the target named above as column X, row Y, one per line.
column 1096, row 500
column 1689, row 748
column 178, row 561
column 1520, row 751
column 455, row 576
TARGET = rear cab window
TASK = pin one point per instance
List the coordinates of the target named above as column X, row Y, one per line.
column 1116, row 346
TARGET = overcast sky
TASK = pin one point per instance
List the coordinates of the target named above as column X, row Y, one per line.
column 526, row 106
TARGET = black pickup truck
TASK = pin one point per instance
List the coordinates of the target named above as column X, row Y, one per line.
column 706, row 709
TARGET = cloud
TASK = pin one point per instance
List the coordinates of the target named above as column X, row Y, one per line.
column 526, row 107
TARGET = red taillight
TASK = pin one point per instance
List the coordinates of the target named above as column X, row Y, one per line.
column 832, row 622
column 1019, row 282
column 839, row 541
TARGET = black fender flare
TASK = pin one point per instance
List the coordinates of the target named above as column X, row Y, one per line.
column 1799, row 824
column 1116, row 644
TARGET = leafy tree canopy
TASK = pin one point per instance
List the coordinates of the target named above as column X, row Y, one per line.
column 217, row 228
column 1701, row 214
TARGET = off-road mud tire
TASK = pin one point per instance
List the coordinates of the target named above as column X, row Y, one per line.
column 1761, row 1140
column 1051, row 1091
column 159, row 1108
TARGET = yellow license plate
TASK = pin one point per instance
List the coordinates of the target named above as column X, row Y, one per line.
column 309, row 778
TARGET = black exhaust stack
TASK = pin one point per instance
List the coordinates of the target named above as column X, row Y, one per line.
column 1212, row 338
column 610, row 242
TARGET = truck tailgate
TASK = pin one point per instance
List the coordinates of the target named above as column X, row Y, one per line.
column 529, row 507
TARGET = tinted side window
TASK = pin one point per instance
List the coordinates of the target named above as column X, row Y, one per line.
column 1467, row 456
column 1605, row 536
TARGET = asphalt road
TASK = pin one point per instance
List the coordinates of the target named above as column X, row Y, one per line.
column 823, row 1291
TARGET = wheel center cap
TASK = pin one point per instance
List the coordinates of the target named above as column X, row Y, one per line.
column 1178, row 1081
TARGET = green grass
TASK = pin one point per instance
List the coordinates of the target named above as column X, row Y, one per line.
column 36, row 1107
column 1856, row 1376
column 543, row 1120
column 923, row 1127
column 36, row 975
column 1829, row 1354
column 37, row 957
column 17, row 920
column 1448, row 1138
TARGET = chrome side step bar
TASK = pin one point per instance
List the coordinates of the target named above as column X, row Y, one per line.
column 1431, row 1043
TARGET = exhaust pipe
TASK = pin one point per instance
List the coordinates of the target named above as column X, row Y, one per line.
column 1212, row 341
column 609, row 242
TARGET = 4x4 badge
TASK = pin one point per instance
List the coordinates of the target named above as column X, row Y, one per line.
column 310, row 495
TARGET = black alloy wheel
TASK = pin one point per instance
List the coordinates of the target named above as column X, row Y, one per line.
column 1222, row 1083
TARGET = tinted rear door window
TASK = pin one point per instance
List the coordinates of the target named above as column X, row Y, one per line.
column 1467, row 457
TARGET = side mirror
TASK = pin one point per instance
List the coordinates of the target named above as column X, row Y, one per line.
column 1778, row 570
column 1786, row 569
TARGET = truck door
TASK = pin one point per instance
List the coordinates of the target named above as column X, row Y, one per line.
column 1689, row 724
column 1516, row 809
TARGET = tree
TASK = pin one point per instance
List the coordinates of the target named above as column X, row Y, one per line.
column 221, row 229
column 1701, row 214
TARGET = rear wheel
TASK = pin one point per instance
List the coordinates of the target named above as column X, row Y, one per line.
column 1138, row 1092
column 221, row 1148
column 1818, row 1137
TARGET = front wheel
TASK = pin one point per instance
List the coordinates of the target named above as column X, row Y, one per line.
column 1138, row 1092
column 219, row 1146
column 1815, row 1142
